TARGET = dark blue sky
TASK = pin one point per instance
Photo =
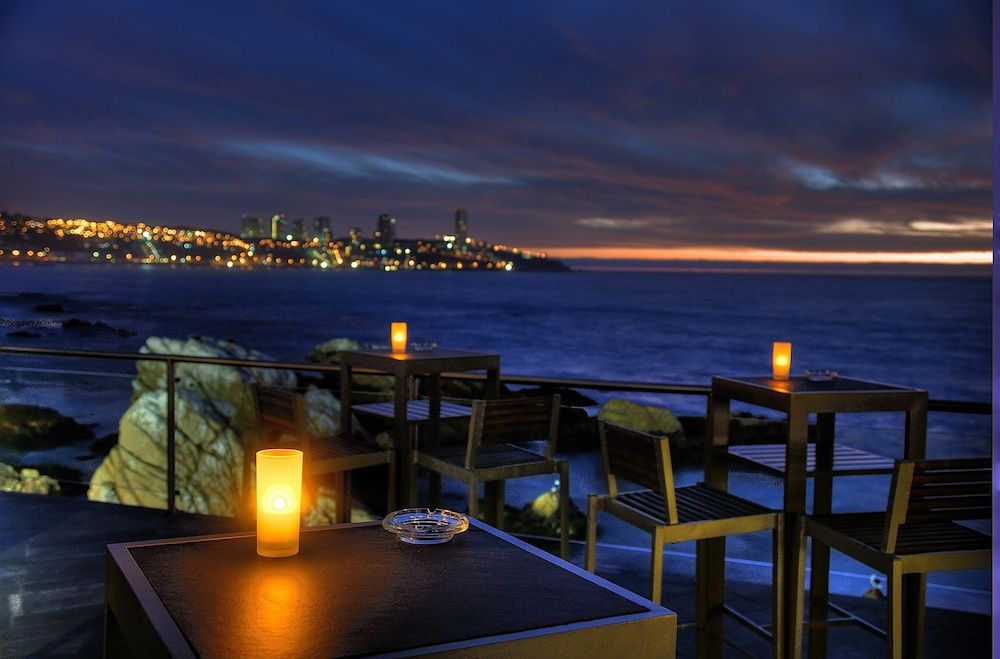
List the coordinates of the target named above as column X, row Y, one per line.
column 816, row 126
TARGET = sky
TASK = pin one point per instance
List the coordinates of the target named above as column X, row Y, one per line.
column 835, row 131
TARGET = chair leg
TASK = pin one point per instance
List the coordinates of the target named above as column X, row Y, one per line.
column 819, row 597
column 778, row 621
column 894, row 612
column 656, row 568
column 563, row 467
column 434, row 489
column 495, row 492
column 794, row 596
column 390, row 495
column 474, row 498
column 590, row 557
column 710, row 596
column 344, row 513
column 914, row 595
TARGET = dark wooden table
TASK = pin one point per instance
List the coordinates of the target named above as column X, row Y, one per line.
column 356, row 590
column 799, row 397
column 404, row 367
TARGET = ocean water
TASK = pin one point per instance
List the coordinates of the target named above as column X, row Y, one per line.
column 926, row 331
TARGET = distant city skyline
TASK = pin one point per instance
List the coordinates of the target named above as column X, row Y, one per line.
column 757, row 131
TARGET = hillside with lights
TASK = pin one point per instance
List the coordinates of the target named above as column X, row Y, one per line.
column 26, row 239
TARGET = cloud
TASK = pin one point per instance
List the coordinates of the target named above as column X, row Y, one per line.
column 348, row 163
column 959, row 228
column 611, row 223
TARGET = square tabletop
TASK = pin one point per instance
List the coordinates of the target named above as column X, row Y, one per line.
column 415, row 362
column 356, row 589
column 839, row 394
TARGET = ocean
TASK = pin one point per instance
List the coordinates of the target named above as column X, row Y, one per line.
column 919, row 330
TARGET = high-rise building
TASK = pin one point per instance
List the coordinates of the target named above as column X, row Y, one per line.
column 252, row 227
column 297, row 230
column 278, row 226
column 385, row 233
column 321, row 229
column 461, row 226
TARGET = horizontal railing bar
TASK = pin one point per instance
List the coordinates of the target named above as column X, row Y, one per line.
column 63, row 371
column 960, row 407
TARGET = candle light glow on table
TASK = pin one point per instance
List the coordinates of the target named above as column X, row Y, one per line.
column 279, row 501
column 781, row 359
column 397, row 335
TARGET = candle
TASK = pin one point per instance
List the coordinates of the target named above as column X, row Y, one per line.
column 279, row 497
column 397, row 334
column 781, row 359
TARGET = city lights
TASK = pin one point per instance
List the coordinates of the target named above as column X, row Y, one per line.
column 79, row 240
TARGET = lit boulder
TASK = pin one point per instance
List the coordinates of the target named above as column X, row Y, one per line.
column 209, row 457
column 28, row 481
column 645, row 418
column 209, row 381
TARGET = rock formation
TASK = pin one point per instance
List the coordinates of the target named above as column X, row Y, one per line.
column 28, row 481
column 209, row 381
column 34, row 428
column 215, row 419
column 209, row 457
column 645, row 418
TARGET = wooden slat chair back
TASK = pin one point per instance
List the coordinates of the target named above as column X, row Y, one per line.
column 641, row 459
column 494, row 453
column 282, row 421
column 671, row 514
column 280, row 414
column 514, row 421
column 917, row 534
column 937, row 491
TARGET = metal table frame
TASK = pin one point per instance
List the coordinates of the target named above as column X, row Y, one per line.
column 798, row 398
column 404, row 367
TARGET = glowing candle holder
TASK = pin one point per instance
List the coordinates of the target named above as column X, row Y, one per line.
column 397, row 336
column 279, row 501
column 781, row 359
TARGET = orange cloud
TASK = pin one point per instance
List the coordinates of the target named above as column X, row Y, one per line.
column 752, row 255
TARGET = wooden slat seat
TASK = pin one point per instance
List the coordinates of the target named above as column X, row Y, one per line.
column 678, row 514
column 869, row 529
column 495, row 452
column 847, row 460
column 417, row 411
column 918, row 533
column 281, row 420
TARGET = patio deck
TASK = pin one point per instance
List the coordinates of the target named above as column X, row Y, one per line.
column 52, row 583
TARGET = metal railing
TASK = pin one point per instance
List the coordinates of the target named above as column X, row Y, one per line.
column 170, row 362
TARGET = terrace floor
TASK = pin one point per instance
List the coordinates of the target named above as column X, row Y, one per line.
column 52, row 583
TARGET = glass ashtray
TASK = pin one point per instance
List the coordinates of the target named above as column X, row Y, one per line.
column 824, row 375
column 425, row 526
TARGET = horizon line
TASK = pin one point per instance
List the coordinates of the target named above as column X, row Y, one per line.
column 759, row 255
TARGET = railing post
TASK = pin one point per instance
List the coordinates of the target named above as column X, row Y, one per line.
column 171, row 441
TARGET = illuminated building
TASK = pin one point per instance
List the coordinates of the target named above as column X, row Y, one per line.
column 461, row 226
column 278, row 226
column 297, row 230
column 253, row 227
column 354, row 234
column 321, row 229
column 385, row 233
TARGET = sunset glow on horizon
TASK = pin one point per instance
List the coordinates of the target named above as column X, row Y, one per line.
column 752, row 255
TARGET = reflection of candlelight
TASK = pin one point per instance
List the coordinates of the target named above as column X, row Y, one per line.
column 397, row 334
column 270, row 611
column 279, row 495
column 781, row 359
